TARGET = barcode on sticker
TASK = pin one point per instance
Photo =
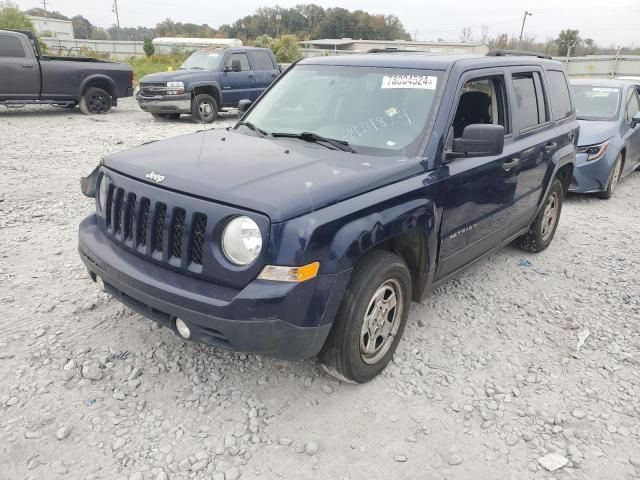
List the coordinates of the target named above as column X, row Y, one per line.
column 605, row 89
column 424, row 82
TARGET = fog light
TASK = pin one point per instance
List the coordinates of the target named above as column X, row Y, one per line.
column 183, row 328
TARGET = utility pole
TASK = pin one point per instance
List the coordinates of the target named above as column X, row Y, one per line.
column 115, row 10
column 278, row 18
column 44, row 6
column 524, row 19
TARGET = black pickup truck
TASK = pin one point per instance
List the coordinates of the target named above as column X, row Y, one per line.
column 28, row 77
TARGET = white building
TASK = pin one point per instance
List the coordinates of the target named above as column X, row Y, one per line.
column 52, row 27
column 339, row 46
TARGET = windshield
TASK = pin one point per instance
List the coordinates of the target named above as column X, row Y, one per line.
column 595, row 102
column 378, row 111
column 203, row 60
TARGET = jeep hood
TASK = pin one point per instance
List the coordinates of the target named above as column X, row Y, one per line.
column 281, row 178
column 594, row 132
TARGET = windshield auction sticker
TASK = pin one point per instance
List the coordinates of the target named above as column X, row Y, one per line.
column 605, row 89
column 423, row 82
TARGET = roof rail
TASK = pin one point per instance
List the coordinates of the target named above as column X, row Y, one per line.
column 393, row 50
column 517, row 53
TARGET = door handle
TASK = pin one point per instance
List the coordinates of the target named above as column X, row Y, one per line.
column 27, row 65
column 511, row 164
column 551, row 147
column 251, row 76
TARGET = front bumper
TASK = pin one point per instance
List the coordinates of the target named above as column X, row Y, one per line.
column 592, row 176
column 165, row 103
column 284, row 320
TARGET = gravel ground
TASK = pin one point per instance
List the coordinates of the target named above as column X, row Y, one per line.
column 488, row 381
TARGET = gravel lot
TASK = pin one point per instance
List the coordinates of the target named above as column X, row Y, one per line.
column 488, row 382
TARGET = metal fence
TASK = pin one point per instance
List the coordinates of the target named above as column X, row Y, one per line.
column 598, row 66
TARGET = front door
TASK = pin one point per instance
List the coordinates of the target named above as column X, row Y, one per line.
column 631, row 135
column 479, row 209
column 237, row 85
column 19, row 71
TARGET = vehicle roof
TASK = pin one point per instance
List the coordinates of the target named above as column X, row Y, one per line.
column 604, row 82
column 427, row 61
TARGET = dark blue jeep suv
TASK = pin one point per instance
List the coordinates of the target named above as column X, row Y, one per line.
column 353, row 186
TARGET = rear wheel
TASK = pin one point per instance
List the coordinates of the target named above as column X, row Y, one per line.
column 614, row 178
column 95, row 101
column 204, row 108
column 371, row 319
column 543, row 228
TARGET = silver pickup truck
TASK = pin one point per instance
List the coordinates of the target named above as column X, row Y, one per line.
column 28, row 77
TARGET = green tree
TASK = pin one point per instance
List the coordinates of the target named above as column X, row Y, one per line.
column 568, row 41
column 82, row 27
column 263, row 41
column 286, row 49
column 148, row 47
column 40, row 12
column 12, row 17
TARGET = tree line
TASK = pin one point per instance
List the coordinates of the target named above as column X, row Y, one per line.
column 303, row 21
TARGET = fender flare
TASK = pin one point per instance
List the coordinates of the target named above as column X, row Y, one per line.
column 214, row 84
column 97, row 78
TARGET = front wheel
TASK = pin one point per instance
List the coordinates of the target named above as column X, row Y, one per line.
column 204, row 108
column 371, row 319
column 95, row 101
column 543, row 228
column 614, row 178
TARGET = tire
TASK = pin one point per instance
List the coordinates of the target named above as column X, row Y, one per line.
column 351, row 353
column 543, row 228
column 95, row 101
column 614, row 178
column 204, row 108
column 166, row 116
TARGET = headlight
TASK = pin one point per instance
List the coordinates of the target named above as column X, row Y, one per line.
column 241, row 241
column 595, row 152
column 102, row 192
column 175, row 88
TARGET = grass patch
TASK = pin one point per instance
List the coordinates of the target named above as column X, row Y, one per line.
column 156, row 63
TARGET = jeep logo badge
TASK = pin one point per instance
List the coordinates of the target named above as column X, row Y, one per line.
column 155, row 177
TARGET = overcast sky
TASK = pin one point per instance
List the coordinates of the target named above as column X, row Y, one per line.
column 605, row 21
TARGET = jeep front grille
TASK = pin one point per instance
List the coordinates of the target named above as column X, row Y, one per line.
column 155, row 230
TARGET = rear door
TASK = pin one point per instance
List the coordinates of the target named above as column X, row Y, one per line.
column 533, row 135
column 266, row 71
column 19, row 70
column 479, row 210
column 240, row 85
column 631, row 135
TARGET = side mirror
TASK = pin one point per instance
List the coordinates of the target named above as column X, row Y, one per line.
column 480, row 140
column 635, row 120
column 235, row 65
column 243, row 106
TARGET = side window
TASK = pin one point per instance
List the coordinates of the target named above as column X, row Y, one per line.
column 262, row 60
column 633, row 105
column 530, row 106
column 244, row 61
column 11, row 47
column 482, row 100
column 559, row 91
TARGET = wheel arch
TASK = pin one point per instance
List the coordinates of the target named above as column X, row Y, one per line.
column 98, row 81
column 209, row 88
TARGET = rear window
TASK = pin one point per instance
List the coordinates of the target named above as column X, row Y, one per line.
column 262, row 60
column 11, row 47
column 530, row 101
column 559, row 91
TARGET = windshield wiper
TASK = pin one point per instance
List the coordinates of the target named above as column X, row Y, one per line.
column 251, row 126
column 315, row 138
column 196, row 68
